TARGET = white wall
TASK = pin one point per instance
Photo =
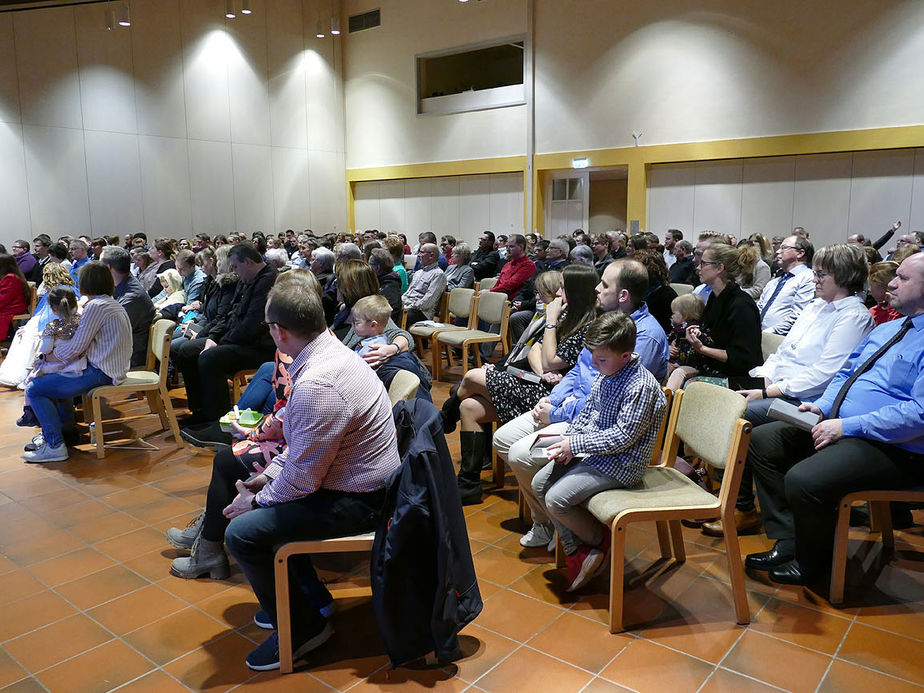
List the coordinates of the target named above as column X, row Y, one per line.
column 832, row 196
column 688, row 70
column 382, row 125
column 185, row 123
column 462, row 206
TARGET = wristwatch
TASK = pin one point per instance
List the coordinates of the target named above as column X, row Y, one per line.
column 550, row 326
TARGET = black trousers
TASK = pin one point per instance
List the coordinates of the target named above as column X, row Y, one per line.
column 799, row 488
column 206, row 373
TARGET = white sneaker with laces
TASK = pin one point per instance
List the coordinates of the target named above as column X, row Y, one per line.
column 538, row 535
column 47, row 453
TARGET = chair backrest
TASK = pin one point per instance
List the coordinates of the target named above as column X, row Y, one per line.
column 159, row 346
column 682, row 289
column 460, row 302
column 491, row 307
column 704, row 417
column 487, row 283
column 657, row 454
column 403, row 387
column 769, row 343
column 410, row 261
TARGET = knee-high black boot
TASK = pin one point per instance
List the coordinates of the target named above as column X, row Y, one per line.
column 470, row 467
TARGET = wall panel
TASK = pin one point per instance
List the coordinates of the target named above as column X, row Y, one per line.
column 462, row 206
column 831, row 195
column 114, row 182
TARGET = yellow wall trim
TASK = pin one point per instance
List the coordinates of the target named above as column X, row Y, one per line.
column 778, row 145
column 467, row 167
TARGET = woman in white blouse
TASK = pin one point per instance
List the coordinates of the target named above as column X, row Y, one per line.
column 817, row 346
column 821, row 339
column 105, row 338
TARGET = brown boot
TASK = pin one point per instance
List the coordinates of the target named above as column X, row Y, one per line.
column 746, row 523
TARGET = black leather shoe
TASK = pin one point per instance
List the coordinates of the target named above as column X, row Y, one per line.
column 782, row 552
column 207, row 436
column 789, row 573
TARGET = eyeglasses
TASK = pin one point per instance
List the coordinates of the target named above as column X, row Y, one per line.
column 820, row 275
column 708, row 262
column 788, row 247
column 267, row 323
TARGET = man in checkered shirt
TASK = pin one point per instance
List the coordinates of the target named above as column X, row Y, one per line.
column 614, row 437
column 328, row 482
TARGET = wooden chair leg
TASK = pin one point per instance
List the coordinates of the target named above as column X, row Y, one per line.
column 617, row 576
column 497, row 464
column 736, row 573
column 680, row 553
column 97, row 414
column 883, row 511
column 476, row 350
column 436, row 358
column 171, row 419
column 559, row 553
column 157, row 407
column 526, row 515
column 283, row 617
column 664, row 539
column 839, row 560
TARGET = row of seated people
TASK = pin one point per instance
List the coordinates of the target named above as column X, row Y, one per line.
column 828, row 336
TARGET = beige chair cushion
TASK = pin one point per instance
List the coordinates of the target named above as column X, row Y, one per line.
column 420, row 330
column 134, row 378
column 460, row 336
column 662, row 487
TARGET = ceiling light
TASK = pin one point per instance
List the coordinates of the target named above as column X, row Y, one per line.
column 320, row 31
column 245, row 7
column 335, row 26
column 125, row 15
column 229, row 9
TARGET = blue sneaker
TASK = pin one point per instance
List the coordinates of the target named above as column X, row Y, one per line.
column 262, row 618
column 266, row 656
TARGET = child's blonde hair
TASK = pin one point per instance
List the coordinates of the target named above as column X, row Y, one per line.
column 690, row 307
column 375, row 307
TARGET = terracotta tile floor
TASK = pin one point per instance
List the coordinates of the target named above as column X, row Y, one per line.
column 88, row 605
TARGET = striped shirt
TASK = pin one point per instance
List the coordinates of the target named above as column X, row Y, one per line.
column 618, row 425
column 338, row 427
column 104, row 337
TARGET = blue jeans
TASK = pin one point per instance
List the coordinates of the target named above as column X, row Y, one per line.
column 252, row 538
column 52, row 399
column 259, row 395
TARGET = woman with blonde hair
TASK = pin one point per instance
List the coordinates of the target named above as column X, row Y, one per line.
column 25, row 343
column 754, row 272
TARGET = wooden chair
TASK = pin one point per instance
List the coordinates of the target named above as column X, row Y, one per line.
column 492, row 308
column 150, row 382
column 880, row 519
column 239, row 383
column 360, row 542
column 409, row 262
column 33, row 301
column 487, row 283
column 707, row 419
column 460, row 303
column 403, row 387
column 769, row 343
column 682, row 289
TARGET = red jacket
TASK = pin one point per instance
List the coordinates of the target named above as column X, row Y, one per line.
column 513, row 275
column 13, row 301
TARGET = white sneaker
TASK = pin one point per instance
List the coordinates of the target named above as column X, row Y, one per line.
column 47, row 453
column 538, row 535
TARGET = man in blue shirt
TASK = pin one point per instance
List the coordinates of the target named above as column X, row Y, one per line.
column 78, row 251
column 871, row 436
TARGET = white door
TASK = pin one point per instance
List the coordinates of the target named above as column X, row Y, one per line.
column 569, row 197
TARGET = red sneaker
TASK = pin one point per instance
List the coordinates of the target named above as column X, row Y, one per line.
column 574, row 562
column 592, row 564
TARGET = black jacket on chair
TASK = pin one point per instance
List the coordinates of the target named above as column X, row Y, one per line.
column 424, row 589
